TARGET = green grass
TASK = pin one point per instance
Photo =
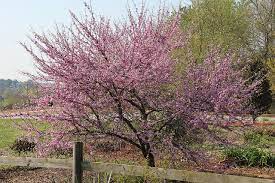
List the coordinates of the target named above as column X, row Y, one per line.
column 251, row 156
column 256, row 149
column 9, row 131
column 260, row 138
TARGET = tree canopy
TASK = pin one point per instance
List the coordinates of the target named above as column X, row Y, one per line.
column 118, row 80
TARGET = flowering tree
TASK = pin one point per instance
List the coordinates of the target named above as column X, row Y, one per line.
column 119, row 80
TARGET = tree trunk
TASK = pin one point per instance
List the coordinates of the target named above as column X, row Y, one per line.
column 151, row 160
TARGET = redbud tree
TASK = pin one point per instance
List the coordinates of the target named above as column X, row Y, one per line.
column 119, row 80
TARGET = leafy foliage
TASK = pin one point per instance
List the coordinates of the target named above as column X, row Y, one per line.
column 262, row 99
column 256, row 139
column 250, row 156
column 222, row 23
column 234, row 26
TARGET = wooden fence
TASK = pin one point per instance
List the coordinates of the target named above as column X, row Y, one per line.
column 78, row 165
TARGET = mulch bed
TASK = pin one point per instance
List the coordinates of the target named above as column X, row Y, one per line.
column 34, row 175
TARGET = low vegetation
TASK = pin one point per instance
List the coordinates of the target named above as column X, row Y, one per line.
column 250, row 156
column 11, row 133
column 256, row 150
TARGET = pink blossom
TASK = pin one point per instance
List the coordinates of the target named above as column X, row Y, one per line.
column 119, row 80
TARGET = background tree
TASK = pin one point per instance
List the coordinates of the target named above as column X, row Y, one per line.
column 222, row 23
column 263, row 98
column 261, row 16
column 15, row 93
column 117, row 80
column 232, row 26
column 263, row 21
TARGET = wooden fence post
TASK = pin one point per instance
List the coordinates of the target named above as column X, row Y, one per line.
column 77, row 162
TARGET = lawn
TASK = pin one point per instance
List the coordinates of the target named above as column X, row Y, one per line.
column 9, row 132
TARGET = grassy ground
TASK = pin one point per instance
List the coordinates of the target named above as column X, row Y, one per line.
column 9, row 132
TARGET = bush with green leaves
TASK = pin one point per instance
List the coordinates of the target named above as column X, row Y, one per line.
column 257, row 139
column 250, row 156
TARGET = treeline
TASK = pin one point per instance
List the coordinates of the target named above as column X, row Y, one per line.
column 14, row 94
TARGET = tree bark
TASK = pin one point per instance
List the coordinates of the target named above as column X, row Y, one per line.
column 150, row 160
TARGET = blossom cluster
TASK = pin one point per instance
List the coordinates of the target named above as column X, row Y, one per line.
column 118, row 80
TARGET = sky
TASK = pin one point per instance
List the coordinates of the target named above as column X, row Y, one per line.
column 19, row 17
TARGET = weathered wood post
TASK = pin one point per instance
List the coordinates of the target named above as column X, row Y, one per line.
column 77, row 161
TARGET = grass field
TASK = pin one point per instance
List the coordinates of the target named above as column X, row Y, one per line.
column 9, row 132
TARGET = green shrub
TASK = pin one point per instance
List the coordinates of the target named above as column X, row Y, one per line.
column 256, row 138
column 250, row 156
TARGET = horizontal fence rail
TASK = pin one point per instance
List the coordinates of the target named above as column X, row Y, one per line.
column 170, row 174
column 78, row 165
column 36, row 162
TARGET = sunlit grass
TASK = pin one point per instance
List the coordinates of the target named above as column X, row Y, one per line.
column 10, row 130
